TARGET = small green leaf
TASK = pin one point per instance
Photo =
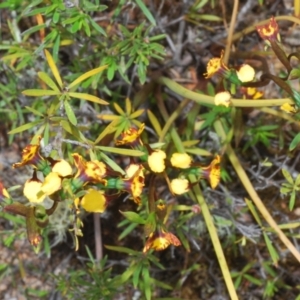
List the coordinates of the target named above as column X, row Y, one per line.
column 295, row 142
column 120, row 249
column 253, row 279
column 25, row 127
column 133, row 217
column 46, row 133
column 97, row 27
column 127, row 230
column 33, row 29
column 40, row 93
column 111, row 163
column 87, row 75
column 128, row 152
column 111, row 127
column 154, row 121
column 287, row 176
column 271, row 249
column 34, row 111
column 146, row 11
column 45, row 77
column 70, row 113
column 211, row 18
column 292, row 200
column 147, row 282
column 136, row 275
column 88, row 97
column 53, row 68
column 198, row 151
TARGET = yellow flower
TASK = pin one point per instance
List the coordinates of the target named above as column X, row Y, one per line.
column 30, row 156
column 212, row 172
column 36, row 191
column 3, row 192
column 51, row 184
column 222, row 98
column 270, row 31
column 216, row 65
column 134, row 182
column 62, row 167
column 179, row 186
column 251, row 93
column 131, row 136
column 291, row 109
column 32, row 190
column 89, row 171
column 93, row 201
column 181, row 160
column 246, row 73
column 160, row 240
column 156, row 161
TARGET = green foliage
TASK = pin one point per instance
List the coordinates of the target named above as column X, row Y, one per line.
column 260, row 134
column 60, row 60
column 291, row 187
column 93, row 283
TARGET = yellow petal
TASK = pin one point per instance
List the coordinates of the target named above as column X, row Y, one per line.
column 31, row 189
column 51, row 184
column 94, row 201
column 222, row 98
column 179, row 186
column 181, row 160
column 63, row 168
column 156, row 161
column 246, row 73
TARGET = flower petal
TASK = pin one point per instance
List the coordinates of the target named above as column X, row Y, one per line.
column 94, row 201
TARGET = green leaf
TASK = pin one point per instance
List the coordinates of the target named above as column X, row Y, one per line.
column 146, row 11
column 33, row 29
column 86, row 28
column 112, row 163
column 271, row 249
column 97, row 27
column 45, row 77
column 87, row 75
column 34, row 111
column 136, row 275
column 292, row 200
column 147, row 281
column 127, row 230
column 53, row 68
column 253, row 279
column 211, row 18
column 133, row 217
column 25, row 127
column 120, row 249
column 287, row 176
column 297, row 181
column 295, row 142
column 70, row 113
column 88, row 97
column 111, row 127
column 253, row 211
column 46, row 133
column 198, row 151
column 40, row 93
column 128, row 152
column 154, row 121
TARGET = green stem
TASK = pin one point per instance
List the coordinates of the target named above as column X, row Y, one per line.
column 172, row 118
column 209, row 100
column 205, row 211
column 251, row 191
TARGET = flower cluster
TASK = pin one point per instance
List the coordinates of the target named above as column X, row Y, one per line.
column 90, row 185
